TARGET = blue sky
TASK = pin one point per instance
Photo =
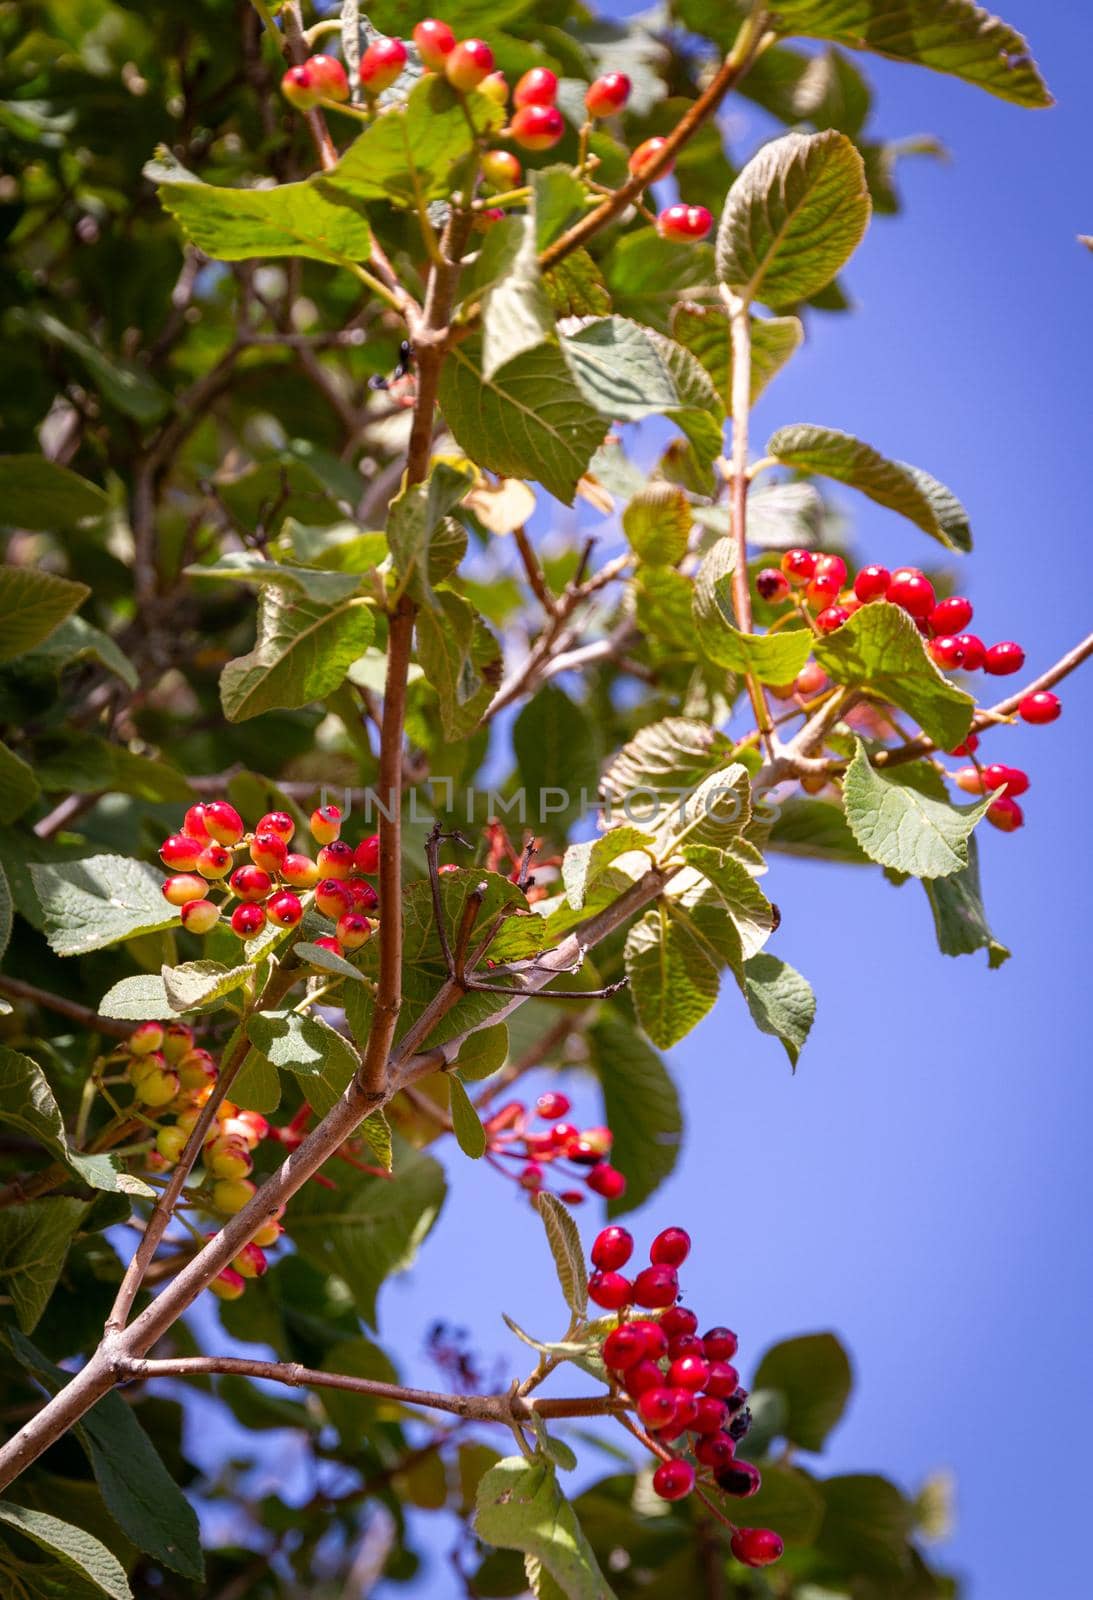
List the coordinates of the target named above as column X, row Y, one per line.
column 921, row 1185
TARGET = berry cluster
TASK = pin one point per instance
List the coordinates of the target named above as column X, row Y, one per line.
column 575, row 1154
column 819, row 587
column 274, row 884
column 170, row 1075
column 683, row 1385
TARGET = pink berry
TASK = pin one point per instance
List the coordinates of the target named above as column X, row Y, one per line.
column 872, row 583
column 178, row 890
column 381, row 64
column 611, row 1249
column 656, row 1287
column 646, row 155
column 278, row 822
column 467, row 63
column 1040, row 708
column 435, row 42
column 536, row 127
column 1006, row 814
column 607, row 94
column 327, row 76
column 670, row 1248
column 251, row 1261
column 250, row 883
column 222, row 822
column 537, row 87
column 268, row 851
column 215, row 861
column 685, row 223
column 1004, row 658
column 228, row 1284
column 198, row 916
column 756, row 1547
column 300, row 871
column 610, row 1290
column 551, row 1106
column 353, row 930
column 178, row 850
column 951, row 615
column 325, row 824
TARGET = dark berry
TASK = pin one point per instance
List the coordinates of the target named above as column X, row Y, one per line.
column 739, row 1425
column 720, row 1344
column 715, row 1450
column 739, row 1478
column 771, row 585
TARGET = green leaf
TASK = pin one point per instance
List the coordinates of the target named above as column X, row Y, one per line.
column 521, row 1507
column 302, row 653
column 669, row 759
column 483, row 1054
column 34, row 1241
column 565, row 1246
column 816, row 830
column 141, row 998
column 285, row 219
column 198, row 985
column 27, row 1102
column 125, row 385
column 32, row 604
column 657, row 523
column 706, row 333
column 247, row 566
column 407, row 156
column 469, row 1132
column 903, row 826
column 369, row 1227
column 713, row 814
column 329, row 961
column 774, row 658
column 323, row 1059
column 647, row 275
column 812, row 1373
column 731, row 888
column 959, row 918
column 902, row 488
column 516, row 311
column 36, row 493
column 553, row 738
column 781, row 1002
column 793, row 218
column 953, row 36
column 530, row 419
column 98, row 901
column 880, row 649
column 138, row 1490
column 788, row 1500
column 584, row 864
column 416, row 517
column 674, row 977
column 76, row 640
column 18, row 785
column 74, row 1548
column 867, row 1523
column 641, row 1107
column 461, row 660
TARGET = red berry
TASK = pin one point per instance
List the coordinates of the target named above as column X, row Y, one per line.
column 552, row 1106
column 198, row 916
column 353, row 930
column 435, row 41
column 332, row 898
column 739, row 1478
column 250, row 883
column 611, row 1248
column 951, row 615
column 771, row 585
column 335, row 860
column 327, row 77
column 179, row 850
column 1040, row 708
column 300, row 871
column 685, row 1344
column 832, row 569
column 500, row 170
column 537, row 87
column 284, row 909
column 912, row 592
column 710, row 1416
column 969, row 779
column 228, row 1285
column 268, row 851
column 685, row 223
column 644, row 1375
column 185, row 886
column 325, row 824
column 655, row 1339
column 686, row 1409
column 1012, row 780
column 607, row 94
column 799, row 565
column 278, row 822
column 214, row 861
column 365, row 897
column 689, row 1372
column 532, row 1176
column 607, row 1181
column 656, row 1287
column 537, row 127
column 947, row 651
column 657, row 1407
column 673, row 1480
column 366, row 857
column 573, row 1197
column 822, row 592
column 1006, row 814
column 247, row 920
column 610, row 1290
column 756, row 1547
column 974, row 651
column 715, row 1450
column 1004, row 658
column 299, row 90
column 831, row 618
column 623, row 1348
column 222, row 822
column 721, row 1380
column 970, row 745
column 381, row 64
column 678, row 1320
column 646, row 154
column 810, row 680
column 251, row 1261
column 468, row 63
column 720, row 1344
column 872, row 583
column 670, row 1248
column 326, row 941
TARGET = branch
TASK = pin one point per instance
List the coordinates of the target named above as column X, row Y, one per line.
column 18, row 990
